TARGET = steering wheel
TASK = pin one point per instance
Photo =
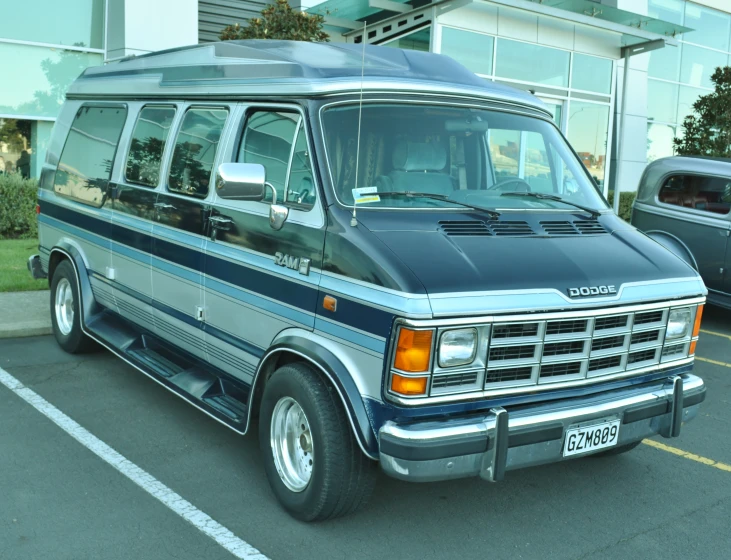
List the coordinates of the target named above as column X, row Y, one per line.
column 521, row 185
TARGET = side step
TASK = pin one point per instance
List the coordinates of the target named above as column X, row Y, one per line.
column 216, row 393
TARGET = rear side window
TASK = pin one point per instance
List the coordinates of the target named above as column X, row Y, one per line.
column 195, row 151
column 708, row 194
column 147, row 145
column 88, row 156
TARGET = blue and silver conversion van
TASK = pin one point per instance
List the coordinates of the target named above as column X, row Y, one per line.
column 379, row 257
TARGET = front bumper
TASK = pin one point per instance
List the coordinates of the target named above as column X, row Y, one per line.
column 490, row 445
column 35, row 268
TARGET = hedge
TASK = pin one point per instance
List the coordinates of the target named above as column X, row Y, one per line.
column 18, row 198
column 625, row 203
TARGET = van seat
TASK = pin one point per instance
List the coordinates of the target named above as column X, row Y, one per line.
column 420, row 167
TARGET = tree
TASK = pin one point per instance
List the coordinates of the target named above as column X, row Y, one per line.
column 707, row 132
column 280, row 21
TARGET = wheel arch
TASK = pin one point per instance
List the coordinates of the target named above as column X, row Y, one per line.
column 675, row 245
column 68, row 251
column 293, row 348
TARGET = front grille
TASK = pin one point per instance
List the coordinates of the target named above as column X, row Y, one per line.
column 648, row 317
column 607, row 343
column 515, row 330
column 641, row 356
column 454, row 380
column 645, row 337
column 563, row 348
column 673, row 350
column 566, row 327
column 512, row 352
column 610, row 323
column 506, row 375
column 560, row 370
column 605, row 363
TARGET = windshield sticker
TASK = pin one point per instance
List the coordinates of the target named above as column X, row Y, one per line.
column 366, row 194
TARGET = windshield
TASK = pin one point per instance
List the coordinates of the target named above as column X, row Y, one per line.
column 465, row 154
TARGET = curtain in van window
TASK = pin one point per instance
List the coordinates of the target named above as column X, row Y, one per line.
column 88, row 155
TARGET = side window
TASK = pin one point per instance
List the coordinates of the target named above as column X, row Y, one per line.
column 195, row 151
column 88, row 155
column 147, row 145
column 277, row 140
column 709, row 194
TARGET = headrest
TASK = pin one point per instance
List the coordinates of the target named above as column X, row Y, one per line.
column 415, row 156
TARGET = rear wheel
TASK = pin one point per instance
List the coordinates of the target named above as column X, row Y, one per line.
column 618, row 450
column 65, row 314
column 311, row 458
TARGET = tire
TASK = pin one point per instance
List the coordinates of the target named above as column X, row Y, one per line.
column 341, row 478
column 618, row 450
column 65, row 315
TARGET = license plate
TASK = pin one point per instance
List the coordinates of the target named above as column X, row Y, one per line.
column 590, row 438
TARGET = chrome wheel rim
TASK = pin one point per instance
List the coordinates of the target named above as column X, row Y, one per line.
column 64, row 306
column 292, row 445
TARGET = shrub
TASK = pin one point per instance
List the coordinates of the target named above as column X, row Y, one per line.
column 625, row 203
column 18, row 198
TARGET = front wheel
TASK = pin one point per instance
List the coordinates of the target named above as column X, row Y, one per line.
column 311, row 458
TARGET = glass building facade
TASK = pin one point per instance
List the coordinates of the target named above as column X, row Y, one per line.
column 41, row 57
column 678, row 76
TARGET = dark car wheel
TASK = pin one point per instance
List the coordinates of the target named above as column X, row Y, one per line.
column 311, row 458
column 65, row 315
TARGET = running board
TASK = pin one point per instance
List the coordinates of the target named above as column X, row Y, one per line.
column 214, row 392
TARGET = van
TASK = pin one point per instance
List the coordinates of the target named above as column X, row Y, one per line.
column 373, row 255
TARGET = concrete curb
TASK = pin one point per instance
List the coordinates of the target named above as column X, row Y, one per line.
column 25, row 314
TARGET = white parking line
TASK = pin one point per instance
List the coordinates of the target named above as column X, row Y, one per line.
column 175, row 502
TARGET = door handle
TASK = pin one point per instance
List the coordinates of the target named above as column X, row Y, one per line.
column 222, row 223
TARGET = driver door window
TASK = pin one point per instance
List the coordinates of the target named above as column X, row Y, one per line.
column 521, row 155
column 277, row 140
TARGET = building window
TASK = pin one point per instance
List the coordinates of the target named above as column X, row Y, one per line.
column 473, row 50
column 416, row 41
column 529, row 62
column 148, row 144
column 591, row 73
column 88, row 155
column 660, row 141
column 195, row 151
column 711, row 27
column 15, row 147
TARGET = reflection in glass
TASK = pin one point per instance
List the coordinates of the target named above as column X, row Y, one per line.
column 665, row 63
column 588, row 128
column 711, row 27
column 666, row 10
column 147, row 145
column 16, row 146
column 591, row 73
column 88, row 155
column 41, row 77
column 686, row 97
column 301, row 186
column 662, row 101
column 698, row 64
column 195, row 151
column 268, row 140
column 504, row 152
column 473, row 50
column 66, row 22
column 532, row 63
column 418, row 41
column 659, row 141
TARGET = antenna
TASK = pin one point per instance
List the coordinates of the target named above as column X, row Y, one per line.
column 353, row 220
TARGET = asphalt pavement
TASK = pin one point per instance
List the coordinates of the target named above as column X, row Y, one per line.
column 60, row 501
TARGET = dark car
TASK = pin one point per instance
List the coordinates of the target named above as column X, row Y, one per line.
column 684, row 203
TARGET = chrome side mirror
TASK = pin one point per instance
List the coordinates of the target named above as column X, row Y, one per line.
column 241, row 181
column 277, row 216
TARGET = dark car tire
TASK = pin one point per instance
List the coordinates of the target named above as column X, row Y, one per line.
column 341, row 478
column 66, row 316
column 618, row 450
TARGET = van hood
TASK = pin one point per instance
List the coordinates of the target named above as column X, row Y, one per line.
column 448, row 260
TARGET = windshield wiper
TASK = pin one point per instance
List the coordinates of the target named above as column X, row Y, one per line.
column 443, row 197
column 555, row 198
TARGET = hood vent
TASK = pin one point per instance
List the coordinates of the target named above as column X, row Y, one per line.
column 582, row 227
column 464, row 227
column 511, row 228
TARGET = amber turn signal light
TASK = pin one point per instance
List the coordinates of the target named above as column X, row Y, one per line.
column 413, row 350
column 330, row 303
column 692, row 348
column 408, row 385
column 697, row 324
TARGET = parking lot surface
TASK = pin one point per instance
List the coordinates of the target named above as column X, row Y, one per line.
column 58, row 500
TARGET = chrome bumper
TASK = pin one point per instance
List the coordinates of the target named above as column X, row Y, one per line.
column 490, row 445
column 35, row 268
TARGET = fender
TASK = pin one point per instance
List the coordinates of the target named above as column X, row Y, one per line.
column 88, row 306
column 329, row 364
column 674, row 245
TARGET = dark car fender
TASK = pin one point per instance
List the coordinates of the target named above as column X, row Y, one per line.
column 69, row 251
column 674, row 245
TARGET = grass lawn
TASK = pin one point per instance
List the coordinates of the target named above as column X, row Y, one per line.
column 14, row 275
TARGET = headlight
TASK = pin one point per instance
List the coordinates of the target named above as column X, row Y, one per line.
column 457, row 347
column 678, row 323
